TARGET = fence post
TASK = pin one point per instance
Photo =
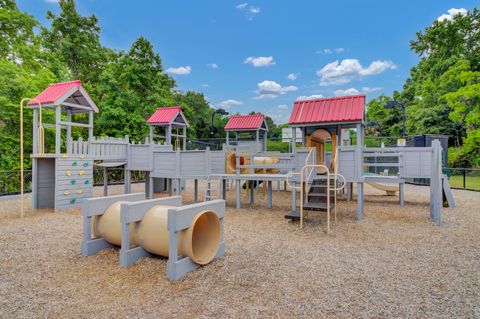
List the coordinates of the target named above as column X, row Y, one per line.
column 464, row 178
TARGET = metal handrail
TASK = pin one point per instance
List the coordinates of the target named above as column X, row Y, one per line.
column 335, row 189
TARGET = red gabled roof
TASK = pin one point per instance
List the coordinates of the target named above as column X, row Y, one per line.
column 55, row 91
column 337, row 109
column 164, row 115
column 245, row 122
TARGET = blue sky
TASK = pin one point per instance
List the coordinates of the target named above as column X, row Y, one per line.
column 262, row 55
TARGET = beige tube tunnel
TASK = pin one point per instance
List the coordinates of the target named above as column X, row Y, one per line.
column 200, row 242
column 231, row 164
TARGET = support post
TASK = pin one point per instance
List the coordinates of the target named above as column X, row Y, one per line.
column 58, row 129
column 90, row 131
column 294, row 199
column 294, row 139
column 105, row 182
column 127, row 185
column 224, row 189
column 184, row 138
column 228, row 138
column 238, row 193
column 179, row 185
column 195, row 190
column 151, row 134
column 401, row 193
column 252, row 192
column 269, row 193
column 69, row 133
column 168, row 135
column 35, row 131
column 360, row 201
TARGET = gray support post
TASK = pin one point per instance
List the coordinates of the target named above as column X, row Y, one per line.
column 228, row 138
column 265, row 145
column 69, row 133
column 401, row 193
column 257, row 136
column 236, row 138
column 105, row 182
column 360, row 201
column 170, row 186
column 151, row 134
column 127, row 184
column 35, row 132
column 294, row 199
column 224, row 189
column 252, row 193
column 168, row 135
column 178, row 186
column 148, row 185
column 195, row 191
column 294, row 139
column 34, row 182
column 436, row 191
column 184, row 138
column 304, row 133
column 269, row 192
column 238, row 193
column 58, row 129
column 90, row 130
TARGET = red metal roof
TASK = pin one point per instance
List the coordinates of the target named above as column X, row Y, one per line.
column 245, row 122
column 55, row 91
column 164, row 115
column 338, row 109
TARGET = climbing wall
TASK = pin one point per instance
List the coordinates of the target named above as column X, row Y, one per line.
column 74, row 181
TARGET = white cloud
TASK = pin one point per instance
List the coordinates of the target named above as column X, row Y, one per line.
column 261, row 61
column 52, row 1
column 282, row 107
column 350, row 91
column 228, row 103
column 330, row 51
column 451, row 14
column 349, row 69
column 250, row 11
column 181, row 70
column 212, row 65
column 310, row 97
column 204, row 85
column 292, row 76
column 367, row 89
column 254, row 10
column 271, row 90
column 279, row 118
column 242, row 6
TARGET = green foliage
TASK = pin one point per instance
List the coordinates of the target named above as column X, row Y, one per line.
column 442, row 93
column 277, row 146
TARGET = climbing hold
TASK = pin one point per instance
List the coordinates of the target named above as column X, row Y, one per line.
column 82, row 156
column 64, row 156
column 73, row 200
column 85, row 164
column 74, row 164
column 66, row 193
column 73, row 182
column 81, row 172
column 69, row 173
column 87, row 182
column 79, row 191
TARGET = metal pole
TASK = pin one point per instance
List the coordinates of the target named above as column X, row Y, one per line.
column 403, row 119
column 464, row 178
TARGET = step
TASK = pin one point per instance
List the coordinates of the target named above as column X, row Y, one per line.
column 317, row 206
column 293, row 215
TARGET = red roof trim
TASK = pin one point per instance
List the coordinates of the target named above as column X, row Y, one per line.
column 328, row 110
column 165, row 115
column 245, row 122
column 55, row 91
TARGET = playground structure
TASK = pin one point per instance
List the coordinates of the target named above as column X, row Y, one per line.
column 160, row 226
column 324, row 123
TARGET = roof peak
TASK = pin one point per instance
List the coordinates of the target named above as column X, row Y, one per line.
column 333, row 98
column 67, row 82
column 240, row 115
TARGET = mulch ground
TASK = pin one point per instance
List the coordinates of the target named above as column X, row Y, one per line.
column 397, row 263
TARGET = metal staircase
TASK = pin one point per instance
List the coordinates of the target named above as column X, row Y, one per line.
column 318, row 191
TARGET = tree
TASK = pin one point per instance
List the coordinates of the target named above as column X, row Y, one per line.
column 75, row 40
column 131, row 89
